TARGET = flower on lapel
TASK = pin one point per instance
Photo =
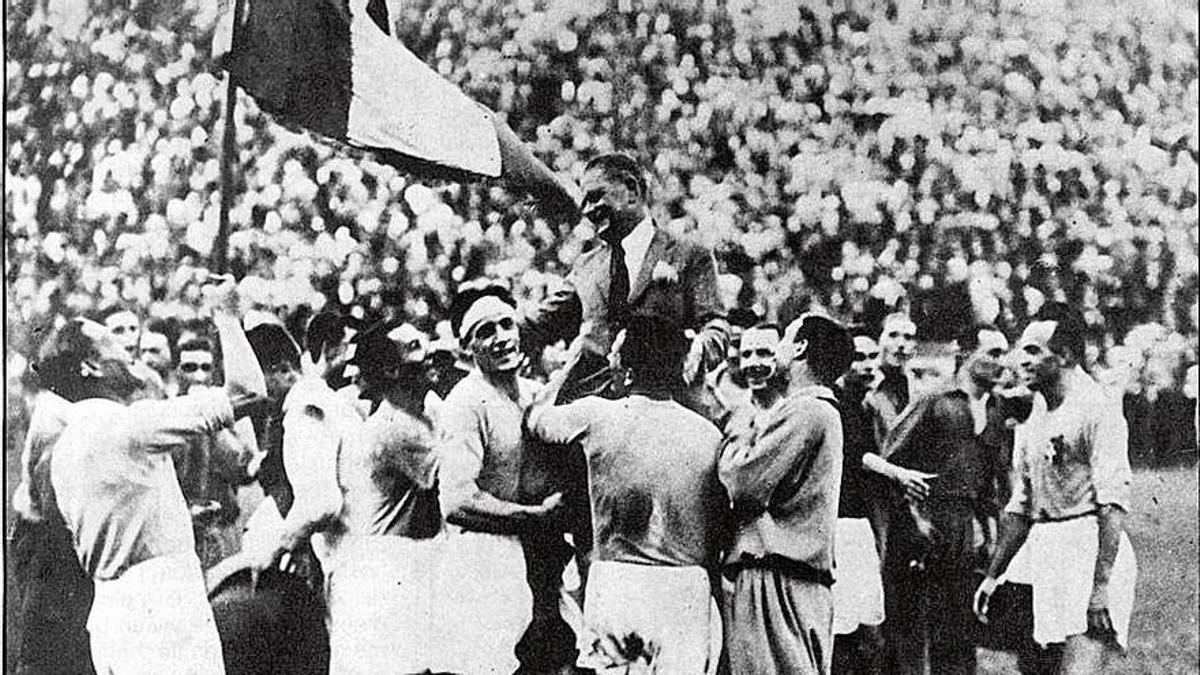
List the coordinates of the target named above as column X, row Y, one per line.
column 664, row 273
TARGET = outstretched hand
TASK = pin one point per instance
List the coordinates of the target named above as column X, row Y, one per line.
column 550, row 506
column 983, row 597
column 220, row 294
column 915, row 483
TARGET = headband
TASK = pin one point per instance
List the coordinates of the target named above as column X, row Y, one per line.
column 484, row 308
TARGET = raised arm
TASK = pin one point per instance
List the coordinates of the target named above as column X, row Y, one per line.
column 556, row 317
column 712, row 330
column 165, row 425
column 557, row 424
column 243, row 375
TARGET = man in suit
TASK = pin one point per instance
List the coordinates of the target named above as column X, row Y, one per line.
column 635, row 268
column 950, row 438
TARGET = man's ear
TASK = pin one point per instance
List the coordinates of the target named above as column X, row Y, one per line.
column 1064, row 360
column 801, row 350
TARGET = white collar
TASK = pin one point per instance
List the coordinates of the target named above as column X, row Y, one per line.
column 639, row 238
column 813, row 390
column 978, row 408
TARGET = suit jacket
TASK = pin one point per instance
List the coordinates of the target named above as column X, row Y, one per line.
column 886, row 403
column 690, row 298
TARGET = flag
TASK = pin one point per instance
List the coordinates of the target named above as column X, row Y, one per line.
column 332, row 67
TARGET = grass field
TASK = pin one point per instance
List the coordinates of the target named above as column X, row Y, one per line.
column 1165, row 526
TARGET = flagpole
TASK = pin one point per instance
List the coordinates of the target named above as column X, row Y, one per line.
column 219, row 260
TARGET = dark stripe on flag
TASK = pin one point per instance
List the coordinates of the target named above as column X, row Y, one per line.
column 331, row 67
column 293, row 57
column 377, row 10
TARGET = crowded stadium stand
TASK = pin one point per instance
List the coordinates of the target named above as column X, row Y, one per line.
column 852, row 155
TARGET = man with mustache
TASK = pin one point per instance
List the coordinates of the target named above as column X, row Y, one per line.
column 486, row 602
column 933, row 535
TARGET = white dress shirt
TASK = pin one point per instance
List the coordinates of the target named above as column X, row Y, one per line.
column 636, row 244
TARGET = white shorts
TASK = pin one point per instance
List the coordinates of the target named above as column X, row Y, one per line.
column 669, row 610
column 381, row 605
column 483, row 603
column 155, row 619
column 1020, row 568
column 858, row 585
column 1062, row 557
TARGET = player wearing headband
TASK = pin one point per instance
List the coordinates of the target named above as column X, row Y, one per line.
column 485, row 600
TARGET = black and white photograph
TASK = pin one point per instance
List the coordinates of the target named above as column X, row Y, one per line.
column 601, row 337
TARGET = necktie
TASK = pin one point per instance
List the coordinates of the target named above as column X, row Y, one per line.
column 618, row 286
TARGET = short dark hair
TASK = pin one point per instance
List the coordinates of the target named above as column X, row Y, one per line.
column 273, row 346
column 374, row 351
column 968, row 340
column 161, row 326
column 654, row 351
column 464, row 299
column 324, row 330
column 767, row 325
column 744, row 318
column 103, row 314
column 200, row 326
column 59, row 364
column 623, row 166
column 196, row 345
column 830, row 350
column 864, row 330
column 1070, row 333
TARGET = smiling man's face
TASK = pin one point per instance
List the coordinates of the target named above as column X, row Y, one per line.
column 611, row 200
column 757, row 354
column 496, row 344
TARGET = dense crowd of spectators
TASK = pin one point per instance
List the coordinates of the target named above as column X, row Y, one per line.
column 996, row 155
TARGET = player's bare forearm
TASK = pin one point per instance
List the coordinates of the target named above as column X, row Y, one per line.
column 484, row 512
column 1014, row 529
column 1111, row 521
